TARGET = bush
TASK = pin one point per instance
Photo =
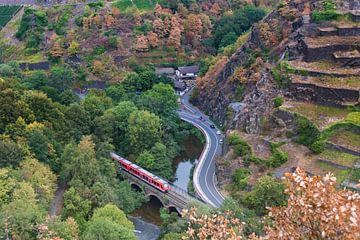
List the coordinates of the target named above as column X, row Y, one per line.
column 242, row 149
column 353, row 117
column 278, row 101
column 241, row 178
column 327, row 15
column 307, row 132
column 318, row 146
column 355, row 175
column 278, row 157
column 233, row 139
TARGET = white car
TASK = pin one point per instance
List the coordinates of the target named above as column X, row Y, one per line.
column 218, row 132
column 221, row 141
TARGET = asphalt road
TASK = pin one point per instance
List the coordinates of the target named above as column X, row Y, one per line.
column 204, row 175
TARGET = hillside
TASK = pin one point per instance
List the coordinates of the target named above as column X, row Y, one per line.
column 290, row 93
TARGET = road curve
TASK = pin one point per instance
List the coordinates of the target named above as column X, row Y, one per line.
column 204, row 177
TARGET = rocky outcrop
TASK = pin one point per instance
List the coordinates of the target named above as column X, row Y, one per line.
column 252, row 62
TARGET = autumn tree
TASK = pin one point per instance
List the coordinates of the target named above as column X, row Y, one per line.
column 159, row 27
column 115, row 12
column 174, row 38
column 316, row 209
column 215, row 9
column 217, row 226
column 193, row 29
column 141, row 44
column 56, row 50
column 153, row 39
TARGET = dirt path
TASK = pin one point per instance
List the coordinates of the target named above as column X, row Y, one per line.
column 58, row 202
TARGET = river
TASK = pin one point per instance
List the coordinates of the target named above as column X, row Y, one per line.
column 147, row 217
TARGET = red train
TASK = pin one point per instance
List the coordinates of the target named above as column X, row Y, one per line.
column 141, row 173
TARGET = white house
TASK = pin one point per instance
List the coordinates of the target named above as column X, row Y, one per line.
column 187, row 72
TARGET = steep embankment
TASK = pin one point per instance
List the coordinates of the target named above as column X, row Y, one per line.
column 239, row 91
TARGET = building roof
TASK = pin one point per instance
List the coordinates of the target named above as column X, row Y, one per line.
column 188, row 69
column 179, row 86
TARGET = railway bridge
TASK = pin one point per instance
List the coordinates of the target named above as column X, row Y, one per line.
column 175, row 200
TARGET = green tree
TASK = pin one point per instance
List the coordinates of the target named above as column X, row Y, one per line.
column 13, row 107
column 75, row 206
column 7, row 186
column 61, row 78
column 79, row 120
column 144, row 130
column 161, row 100
column 41, row 178
column 146, row 160
column 79, row 162
column 116, row 92
column 10, row 153
column 163, row 164
column 110, row 223
column 19, row 218
column 36, row 80
column 267, row 192
column 96, row 102
column 42, row 147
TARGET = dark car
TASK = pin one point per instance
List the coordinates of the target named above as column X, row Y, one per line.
column 200, row 118
column 212, row 126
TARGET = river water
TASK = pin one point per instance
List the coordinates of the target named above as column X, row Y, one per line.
column 149, row 213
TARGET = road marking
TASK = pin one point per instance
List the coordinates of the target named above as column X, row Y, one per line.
column 202, row 159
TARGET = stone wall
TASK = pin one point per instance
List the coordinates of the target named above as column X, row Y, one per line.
column 322, row 95
column 349, row 31
column 325, row 52
column 35, row 66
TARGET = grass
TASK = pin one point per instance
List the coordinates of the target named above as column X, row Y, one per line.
column 332, row 82
column 346, row 139
column 340, row 175
column 139, row 4
column 321, row 66
column 341, row 158
column 322, row 116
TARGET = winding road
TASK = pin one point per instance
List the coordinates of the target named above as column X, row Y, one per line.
column 204, row 178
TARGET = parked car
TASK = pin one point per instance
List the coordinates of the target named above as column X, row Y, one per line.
column 212, row 126
column 221, row 141
column 218, row 132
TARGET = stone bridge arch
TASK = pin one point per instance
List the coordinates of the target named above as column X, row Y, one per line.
column 136, row 187
column 173, row 209
column 153, row 197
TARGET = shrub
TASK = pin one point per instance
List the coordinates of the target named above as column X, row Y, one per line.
column 241, row 178
column 318, row 146
column 278, row 101
column 355, row 175
column 233, row 139
column 353, row 117
column 242, row 149
column 327, row 15
column 307, row 132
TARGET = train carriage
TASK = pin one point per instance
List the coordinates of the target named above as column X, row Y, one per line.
column 141, row 173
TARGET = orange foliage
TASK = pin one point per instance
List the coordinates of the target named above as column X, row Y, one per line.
column 141, row 44
column 153, row 39
column 115, row 12
column 316, row 210
column 209, row 79
column 223, row 226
